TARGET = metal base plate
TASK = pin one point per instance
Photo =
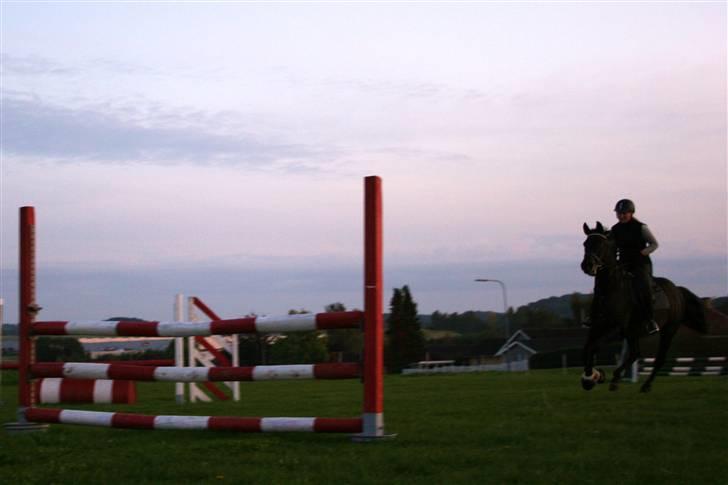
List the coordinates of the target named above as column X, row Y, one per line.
column 359, row 438
column 24, row 427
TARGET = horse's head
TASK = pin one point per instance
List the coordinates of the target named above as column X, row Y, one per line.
column 598, row 249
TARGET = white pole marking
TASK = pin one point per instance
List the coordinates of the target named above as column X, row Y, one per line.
column 93, row 418
column 181, row 422
column 103, row 391
column 50, row 390
column 286, row 424
column 274, row 372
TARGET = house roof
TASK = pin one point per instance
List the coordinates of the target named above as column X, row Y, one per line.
column 515, row 345
column 546, row 339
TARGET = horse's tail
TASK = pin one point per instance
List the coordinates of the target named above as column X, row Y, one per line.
column 694, row 311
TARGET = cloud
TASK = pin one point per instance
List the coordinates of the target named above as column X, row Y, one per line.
column 126, row 130
column 34, row 128
column 33, row 66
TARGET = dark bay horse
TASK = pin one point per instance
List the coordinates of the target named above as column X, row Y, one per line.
column 618, row 309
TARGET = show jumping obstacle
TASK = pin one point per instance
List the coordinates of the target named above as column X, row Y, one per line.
column 687, row 366
column 369, row 426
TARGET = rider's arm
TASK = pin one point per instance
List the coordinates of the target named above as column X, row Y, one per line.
column 651, row 241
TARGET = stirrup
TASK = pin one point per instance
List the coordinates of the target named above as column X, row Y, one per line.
column 652, row 327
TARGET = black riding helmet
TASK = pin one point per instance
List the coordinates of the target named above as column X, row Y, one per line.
column 623, row 206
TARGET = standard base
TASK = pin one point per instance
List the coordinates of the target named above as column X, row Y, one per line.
column 24, row 427
column 360, row 438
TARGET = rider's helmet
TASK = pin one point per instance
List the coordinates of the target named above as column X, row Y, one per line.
column 623, row 206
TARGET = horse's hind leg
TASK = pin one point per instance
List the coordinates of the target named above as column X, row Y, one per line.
column 666, row 335
column 633, row 352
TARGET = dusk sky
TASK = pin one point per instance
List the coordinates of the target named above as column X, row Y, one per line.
column 218, row 149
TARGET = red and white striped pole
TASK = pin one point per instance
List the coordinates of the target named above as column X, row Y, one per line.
column 373, row 413
column 27, row 310
column 213, row 423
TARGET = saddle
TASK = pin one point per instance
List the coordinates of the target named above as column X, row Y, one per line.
column 660, row 300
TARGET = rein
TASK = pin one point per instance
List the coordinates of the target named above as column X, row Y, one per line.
column 599, row 262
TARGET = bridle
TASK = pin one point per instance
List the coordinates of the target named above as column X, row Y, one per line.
column 596, row 261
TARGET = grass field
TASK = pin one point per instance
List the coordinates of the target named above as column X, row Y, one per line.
column 536, row 427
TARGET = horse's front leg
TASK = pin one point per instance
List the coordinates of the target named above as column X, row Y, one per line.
column 592, row 376
column 632, row 353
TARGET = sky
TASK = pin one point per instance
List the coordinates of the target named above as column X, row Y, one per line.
column 218, row 149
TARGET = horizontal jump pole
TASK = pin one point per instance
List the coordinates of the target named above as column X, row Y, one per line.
column 691, row 373
column 686, row 368
column 152, row 362
column 682, row 360
column 286, row 323
column 213, row 423
column 157, row 362
column 84, row 370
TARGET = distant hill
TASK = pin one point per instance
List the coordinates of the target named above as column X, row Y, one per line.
column 720, row 304
column 558, row 305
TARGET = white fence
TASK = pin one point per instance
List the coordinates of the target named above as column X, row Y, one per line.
column 517, row 366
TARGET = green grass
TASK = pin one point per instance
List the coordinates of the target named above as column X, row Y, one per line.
column 536, row 427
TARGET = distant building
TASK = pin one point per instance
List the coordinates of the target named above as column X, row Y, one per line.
column 114, row 347
column 523, row 344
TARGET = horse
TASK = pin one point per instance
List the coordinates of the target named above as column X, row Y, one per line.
column 618, row 310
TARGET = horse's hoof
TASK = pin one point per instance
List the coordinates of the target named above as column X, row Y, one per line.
column 587, row 384
column 602, row 376
column 613, row 386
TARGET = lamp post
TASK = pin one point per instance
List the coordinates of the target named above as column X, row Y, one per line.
column 505, row 301
column 505, row 308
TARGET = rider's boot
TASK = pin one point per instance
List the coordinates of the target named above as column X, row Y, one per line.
column 650, row 323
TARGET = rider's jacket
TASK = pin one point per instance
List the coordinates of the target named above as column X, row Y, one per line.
column 630, row 241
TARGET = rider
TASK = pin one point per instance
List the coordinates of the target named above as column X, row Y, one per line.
column 635, row 242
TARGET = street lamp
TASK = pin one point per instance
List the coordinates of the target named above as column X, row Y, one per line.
column 505, row 301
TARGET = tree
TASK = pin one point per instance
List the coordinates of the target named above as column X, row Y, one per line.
column 253, row 348
column 526, row 317
column 298, row 348
column 405, row 341
column 344, row 345
column 469, row 322
column 59, row 349
column 580, row 307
